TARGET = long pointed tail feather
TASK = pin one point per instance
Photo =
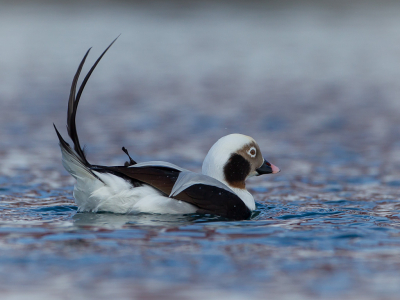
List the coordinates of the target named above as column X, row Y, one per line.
column 75, row 162
column 72, row 107
column 74, row 101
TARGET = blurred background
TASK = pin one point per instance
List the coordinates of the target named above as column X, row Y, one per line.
column 306, row 79
column 316, row 83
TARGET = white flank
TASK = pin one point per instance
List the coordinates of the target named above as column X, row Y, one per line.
column 114, row 194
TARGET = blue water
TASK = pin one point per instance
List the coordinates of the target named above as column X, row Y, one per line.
column 315, row 83
column 308, row 248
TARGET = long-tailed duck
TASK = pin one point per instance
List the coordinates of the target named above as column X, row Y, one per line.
column 162, row 187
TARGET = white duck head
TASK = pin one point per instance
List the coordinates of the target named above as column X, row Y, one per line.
column 234, row 158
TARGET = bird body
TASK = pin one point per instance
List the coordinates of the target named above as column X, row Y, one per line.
column 162, row 187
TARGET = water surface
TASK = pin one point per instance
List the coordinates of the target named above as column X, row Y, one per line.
column 315, row 85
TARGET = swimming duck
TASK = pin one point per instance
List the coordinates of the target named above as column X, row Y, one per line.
column 162, row 187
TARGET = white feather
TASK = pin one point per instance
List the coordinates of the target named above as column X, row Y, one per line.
column 74, row 165
column 157, row 164
column 220, row 153
column 187, row 179
column 118, row 196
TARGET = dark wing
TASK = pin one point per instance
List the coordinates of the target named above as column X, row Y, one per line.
column 161, row 178
column 215, row 200
column 209, row 199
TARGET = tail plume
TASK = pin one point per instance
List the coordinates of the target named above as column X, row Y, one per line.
column 75, row 162
column 74, row 101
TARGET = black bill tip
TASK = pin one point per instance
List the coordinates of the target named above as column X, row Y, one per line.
column 267, row 168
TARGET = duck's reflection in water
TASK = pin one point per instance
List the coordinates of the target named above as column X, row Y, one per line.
column 117, row 221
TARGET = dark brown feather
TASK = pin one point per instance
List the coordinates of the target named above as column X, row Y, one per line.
column 161, row 178
column 74, row 101
column 71, row 126
column 214, row 200
column 236, row 170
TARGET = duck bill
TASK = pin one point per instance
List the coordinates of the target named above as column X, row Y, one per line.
column 267, row 168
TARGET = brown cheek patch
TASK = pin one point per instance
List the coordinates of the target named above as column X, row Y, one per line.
column 255, row 162
column 236, row 171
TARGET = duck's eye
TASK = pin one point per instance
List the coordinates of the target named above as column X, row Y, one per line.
column 252, row 152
